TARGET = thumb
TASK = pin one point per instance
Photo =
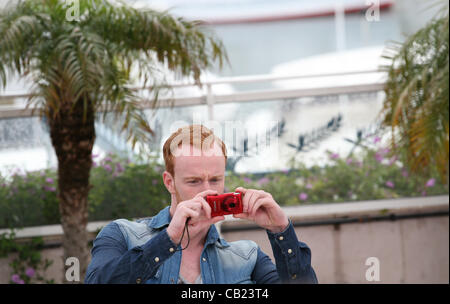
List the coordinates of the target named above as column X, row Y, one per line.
column 241, row 215
column 217, row 219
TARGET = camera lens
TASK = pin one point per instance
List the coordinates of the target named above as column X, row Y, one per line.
column 228, row 204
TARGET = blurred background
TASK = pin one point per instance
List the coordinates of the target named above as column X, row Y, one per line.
column 299, row 107
column 262, row 38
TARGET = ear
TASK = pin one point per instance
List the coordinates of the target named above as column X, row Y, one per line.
column 169, row 182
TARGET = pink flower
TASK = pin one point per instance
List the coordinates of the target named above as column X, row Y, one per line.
column 349, row 161
column 49, row 180
column 392, row 160
column 107, row 159
column 390, row 184
column 154, row 182
column 119, row 168
column 377, row 139
column 334, row 156
column 247, row 180
column 405, row 173
column 50, row 189
column 309, row 186
column 303, row 196
column 263, row 181
column 30, row 272
column 379, row 157
column 107, row 168
column 15, row 278
column 430, row 183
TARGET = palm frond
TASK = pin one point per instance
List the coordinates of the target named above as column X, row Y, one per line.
column 416, row 103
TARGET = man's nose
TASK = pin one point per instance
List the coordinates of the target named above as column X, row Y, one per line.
column 206, row 186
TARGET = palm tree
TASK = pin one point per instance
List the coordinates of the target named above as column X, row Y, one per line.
column 83, row 66
column 416, row 103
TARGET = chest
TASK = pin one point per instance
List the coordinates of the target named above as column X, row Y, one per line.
column 190, row 266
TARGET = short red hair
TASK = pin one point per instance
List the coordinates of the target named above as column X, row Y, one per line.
column 198, row 136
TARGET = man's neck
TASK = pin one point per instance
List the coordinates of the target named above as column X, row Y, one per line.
column 195, row 241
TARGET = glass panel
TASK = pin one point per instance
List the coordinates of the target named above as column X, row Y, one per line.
column 260, row 136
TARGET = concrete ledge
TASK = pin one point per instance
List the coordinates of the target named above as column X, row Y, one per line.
column 362, row 209
column 50, row 232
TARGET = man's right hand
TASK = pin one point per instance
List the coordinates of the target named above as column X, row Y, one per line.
column 199, row 212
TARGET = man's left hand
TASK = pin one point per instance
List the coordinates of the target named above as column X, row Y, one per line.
column 261, row 208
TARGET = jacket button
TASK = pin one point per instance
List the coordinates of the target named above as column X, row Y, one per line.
column 294, row 276
column 281, row 238
column 203, row 259
column 156, row 259
column 138, row 280
column 289, row 250
column 171, row 249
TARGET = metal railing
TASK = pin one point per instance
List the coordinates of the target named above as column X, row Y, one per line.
column 209, row 98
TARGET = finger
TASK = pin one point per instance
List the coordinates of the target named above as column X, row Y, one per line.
column 205, row 206
column 187, row 212
column 241, row 215
column 241, row 189
column 193, row 204
column 255, row 198
column 207, row 192
column 202, row 207
column 259, row 203
column 252, row 196
column 245, row 201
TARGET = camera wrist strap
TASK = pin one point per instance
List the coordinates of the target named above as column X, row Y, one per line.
column 189, row 239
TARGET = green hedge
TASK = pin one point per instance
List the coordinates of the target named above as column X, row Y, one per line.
column 126, row 190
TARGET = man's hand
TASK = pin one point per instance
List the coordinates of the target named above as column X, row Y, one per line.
column 199, row 212
column 261, row 208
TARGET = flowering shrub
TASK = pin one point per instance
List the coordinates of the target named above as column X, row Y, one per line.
column 28, row 199
column 120, row 189
column 374, row 174
column 27, row 266
column 125, row 190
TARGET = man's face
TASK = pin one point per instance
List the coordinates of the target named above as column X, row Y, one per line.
column 194, row 174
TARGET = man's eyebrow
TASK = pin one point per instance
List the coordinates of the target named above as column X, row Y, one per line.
column 200, row 177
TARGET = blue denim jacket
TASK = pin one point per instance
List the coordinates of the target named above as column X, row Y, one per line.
column 142, row 252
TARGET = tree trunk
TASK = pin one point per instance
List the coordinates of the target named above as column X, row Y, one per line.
column 73, row 141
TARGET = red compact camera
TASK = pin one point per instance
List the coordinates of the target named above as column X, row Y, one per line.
column 227, row 203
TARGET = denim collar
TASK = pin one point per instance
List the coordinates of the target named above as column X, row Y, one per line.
column 163, row 219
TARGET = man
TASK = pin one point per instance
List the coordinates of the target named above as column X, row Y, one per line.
column 156, row 249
